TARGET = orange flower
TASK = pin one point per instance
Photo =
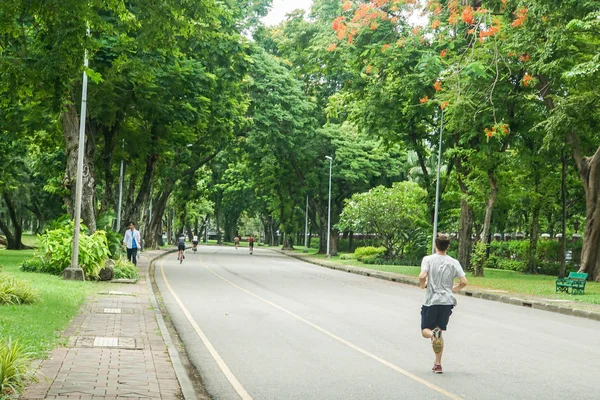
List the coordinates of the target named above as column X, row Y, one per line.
column 435, row 24
column 505, row 128
column 524, row 57
column 385, row 47
column 332, row 47
column 521, row 15
column 444, row 105
column 453, row 19
column 443, row 53
column 424, row 99
column 490, row 132
column 468, row 15
column 527, row 79
column 437, row 10
column 437, row 86
column 369, row 69
column 347, row 6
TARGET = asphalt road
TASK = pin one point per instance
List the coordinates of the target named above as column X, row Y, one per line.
column 268, row 326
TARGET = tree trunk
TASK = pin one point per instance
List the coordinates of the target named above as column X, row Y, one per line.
column 13, row 239
column 534, row 227
column 335, row 240
column 153, row 234
column 563, row 195
column 465, row 230
column 487, row 222
column 589, row 169
column 351, row 242
column 70, row 124
column 218, row 225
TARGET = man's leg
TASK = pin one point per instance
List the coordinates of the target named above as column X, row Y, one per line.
column 134, row 256
column 129, row 254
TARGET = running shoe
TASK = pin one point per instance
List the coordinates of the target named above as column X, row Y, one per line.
column 436, row 341
column 437, row 369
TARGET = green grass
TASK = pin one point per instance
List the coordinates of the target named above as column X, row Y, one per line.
column 495, row 279
column 37, row 326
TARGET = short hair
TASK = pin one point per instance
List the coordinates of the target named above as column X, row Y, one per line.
column 442, row 242
column 132, row 223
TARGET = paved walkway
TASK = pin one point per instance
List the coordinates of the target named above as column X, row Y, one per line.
column 115, row 350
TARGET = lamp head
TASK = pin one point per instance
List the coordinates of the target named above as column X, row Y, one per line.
column 329, row 158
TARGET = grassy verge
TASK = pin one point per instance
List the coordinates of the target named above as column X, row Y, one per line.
column 495, row 279
column 37, row 326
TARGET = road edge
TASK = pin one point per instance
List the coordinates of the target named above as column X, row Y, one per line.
column 188, row 388
column 529, row 302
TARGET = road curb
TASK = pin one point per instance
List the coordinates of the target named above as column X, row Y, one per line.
column 187, row 387
column 508, row 298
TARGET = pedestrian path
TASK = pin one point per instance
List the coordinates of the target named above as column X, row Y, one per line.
column 114, row 349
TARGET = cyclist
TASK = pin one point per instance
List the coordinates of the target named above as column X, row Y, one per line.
column 195, row 242
column 236, row 240
column 181, row 247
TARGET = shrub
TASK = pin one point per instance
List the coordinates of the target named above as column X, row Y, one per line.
column 57, row 246
column 379, row 259
column 512, row 265
column 125, row 270
column 368, row 251
column 14, row 291
column 347, row 256
column 114, row 241
column 14, row 368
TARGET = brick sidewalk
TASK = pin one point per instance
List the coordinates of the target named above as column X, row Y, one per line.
column 115, row 350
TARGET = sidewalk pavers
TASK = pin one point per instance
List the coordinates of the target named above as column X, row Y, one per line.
column 115, row 350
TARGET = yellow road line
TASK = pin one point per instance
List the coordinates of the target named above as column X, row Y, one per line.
column 237, row 386
column 341, row 340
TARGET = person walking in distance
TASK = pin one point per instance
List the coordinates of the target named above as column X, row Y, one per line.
column 438, row 272
column 133, row 242
column 236, row 241
column 251, row 244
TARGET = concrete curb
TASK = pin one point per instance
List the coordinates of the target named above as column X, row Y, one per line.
column 187, row 387
column 508, row 298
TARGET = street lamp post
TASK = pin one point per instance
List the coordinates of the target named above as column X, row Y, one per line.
column 120, row 191
column 306, row 228
column 437, row 187
column 74, row 272
column 329, row 208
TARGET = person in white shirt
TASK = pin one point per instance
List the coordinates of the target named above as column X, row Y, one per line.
column 133, row 242
column 195, row 242
column 438, row 272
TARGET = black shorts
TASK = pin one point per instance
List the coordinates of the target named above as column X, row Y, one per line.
column 251, row 244
column 181, row 247
column 435, row 316
column 195, row 243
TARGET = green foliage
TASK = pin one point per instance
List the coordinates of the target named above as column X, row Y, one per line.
column 57, row 248
column 15, row 291
column 398, row 215
column 478, row 258
column 124, row 269
column 347, row 256
column 368, row 251
column 14, row 368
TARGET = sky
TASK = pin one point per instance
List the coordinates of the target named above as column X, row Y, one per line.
column 281, row 7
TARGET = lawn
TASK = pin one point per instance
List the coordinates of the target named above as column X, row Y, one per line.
column 511, row 281
column 38, row 326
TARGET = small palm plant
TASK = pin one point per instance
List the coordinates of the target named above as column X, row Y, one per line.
column 15, row 369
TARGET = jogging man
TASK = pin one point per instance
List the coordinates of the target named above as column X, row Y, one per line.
column 181, row 246
column 133, row 242
column 195, row 241
column 251, row 244
column 437, row 277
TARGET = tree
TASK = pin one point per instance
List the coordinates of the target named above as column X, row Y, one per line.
column 397, row 215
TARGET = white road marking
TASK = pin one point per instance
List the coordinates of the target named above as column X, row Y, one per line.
column 341, row 340
column 237, row 386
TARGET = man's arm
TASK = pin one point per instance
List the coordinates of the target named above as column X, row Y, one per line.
column 423, row 279
column 461, row 284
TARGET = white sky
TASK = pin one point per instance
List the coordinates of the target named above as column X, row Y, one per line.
column 282, row 7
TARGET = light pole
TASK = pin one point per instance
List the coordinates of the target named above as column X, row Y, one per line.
column 74, row 272
column 306, row 228
column 437, row 188
column 329, row 207
column 120, row 190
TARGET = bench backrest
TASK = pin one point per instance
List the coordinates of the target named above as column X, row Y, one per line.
column 578, row 276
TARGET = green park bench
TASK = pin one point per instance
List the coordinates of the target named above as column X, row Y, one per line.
column 575, row 281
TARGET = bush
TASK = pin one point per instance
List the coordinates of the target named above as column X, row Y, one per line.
column 368, row 251
column 125, row 270
column 114, row 241
column 14, row 368
column 511, row 265
column 57, row 246
column 379, row 259
column 347, row 256
column 35, row 264
column 14, row 291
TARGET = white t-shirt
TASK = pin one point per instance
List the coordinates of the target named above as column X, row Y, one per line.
column 441, row 271
column 195, row 239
